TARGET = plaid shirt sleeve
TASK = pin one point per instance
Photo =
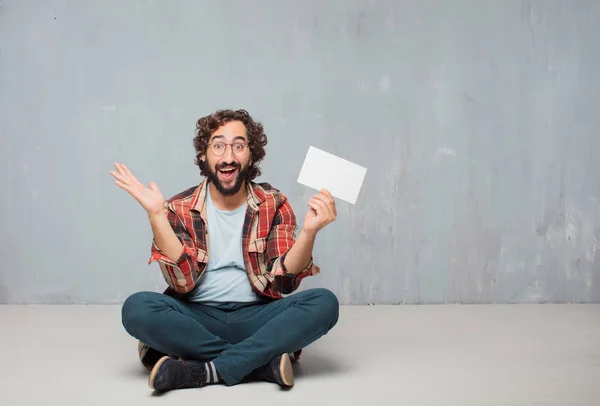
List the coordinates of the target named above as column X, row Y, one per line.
column 281, row 238
column 181, row 275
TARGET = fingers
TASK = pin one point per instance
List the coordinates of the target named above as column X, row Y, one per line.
column 317, row 208
column 125, row 174
column 327, row 199
column 330, row 200
column 128, row 172
column 154, row 187
column 125, row 187
column 327, row 193
column 118, row 176
column 120, row 169
column 125, row 180
column 321, row 208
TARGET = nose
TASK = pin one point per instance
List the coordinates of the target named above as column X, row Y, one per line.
column 228, row 154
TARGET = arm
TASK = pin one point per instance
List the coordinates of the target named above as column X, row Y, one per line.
column 297, row 261
column 300, row 255
column 322, row 212
column 164, row 237
column 290, row 258
column 172, row 245
column 174, row 250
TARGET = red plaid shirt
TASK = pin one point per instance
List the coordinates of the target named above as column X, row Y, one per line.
column 269, row 232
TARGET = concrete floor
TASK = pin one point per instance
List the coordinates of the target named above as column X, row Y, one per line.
column 378, row 355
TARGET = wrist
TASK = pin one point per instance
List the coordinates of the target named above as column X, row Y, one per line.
column 309, row 235
column 154, row 217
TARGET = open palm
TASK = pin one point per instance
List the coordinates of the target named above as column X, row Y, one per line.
column 151, row 199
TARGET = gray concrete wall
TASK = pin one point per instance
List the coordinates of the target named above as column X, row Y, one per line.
column 478, row 122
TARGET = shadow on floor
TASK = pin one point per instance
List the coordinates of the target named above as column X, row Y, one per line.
column 314, row 363
column 138, row 371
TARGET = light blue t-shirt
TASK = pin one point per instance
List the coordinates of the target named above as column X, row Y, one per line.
column 225, row 278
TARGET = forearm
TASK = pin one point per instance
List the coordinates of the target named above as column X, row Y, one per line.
column 298, row 257
column 164, row 236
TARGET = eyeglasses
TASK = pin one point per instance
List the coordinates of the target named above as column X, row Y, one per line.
column 218, row 148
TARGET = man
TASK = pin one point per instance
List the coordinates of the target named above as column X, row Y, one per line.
column 228, row 250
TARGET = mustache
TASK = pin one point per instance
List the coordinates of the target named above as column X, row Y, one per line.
column 231, row 165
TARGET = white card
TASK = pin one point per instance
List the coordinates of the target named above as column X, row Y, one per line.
column 342, row 178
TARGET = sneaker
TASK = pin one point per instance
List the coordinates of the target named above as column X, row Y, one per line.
column 170, row 373
column 278, row 371
column 148, row 355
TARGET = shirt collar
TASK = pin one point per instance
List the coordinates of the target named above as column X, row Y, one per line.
column 255, row 196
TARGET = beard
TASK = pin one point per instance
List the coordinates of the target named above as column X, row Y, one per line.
column 213, row 176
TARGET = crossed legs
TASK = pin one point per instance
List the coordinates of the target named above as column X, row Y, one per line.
column 236, row 338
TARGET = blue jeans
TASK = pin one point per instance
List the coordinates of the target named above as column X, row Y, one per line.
column 237, row 337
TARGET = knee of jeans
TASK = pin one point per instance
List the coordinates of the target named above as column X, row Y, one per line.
column 134, row 312
column 329, row 306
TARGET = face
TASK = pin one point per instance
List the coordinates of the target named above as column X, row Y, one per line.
column 227, row 171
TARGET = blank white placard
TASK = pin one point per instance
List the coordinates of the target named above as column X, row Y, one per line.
column 322, row 170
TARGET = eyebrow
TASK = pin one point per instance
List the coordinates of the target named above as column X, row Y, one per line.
column 236, row 138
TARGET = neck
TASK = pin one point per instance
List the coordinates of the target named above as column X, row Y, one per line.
column 228, row 202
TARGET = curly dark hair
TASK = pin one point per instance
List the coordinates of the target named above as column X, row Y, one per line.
column 257, row 139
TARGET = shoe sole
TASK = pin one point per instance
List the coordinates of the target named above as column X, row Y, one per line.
column 142, row 351
column 155, row 371
column 141, row 346
column 286, row 371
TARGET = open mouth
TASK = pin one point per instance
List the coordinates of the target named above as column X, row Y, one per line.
column 227, row 173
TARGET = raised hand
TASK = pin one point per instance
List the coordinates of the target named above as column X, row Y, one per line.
column 322, row 212
column 151, row 199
